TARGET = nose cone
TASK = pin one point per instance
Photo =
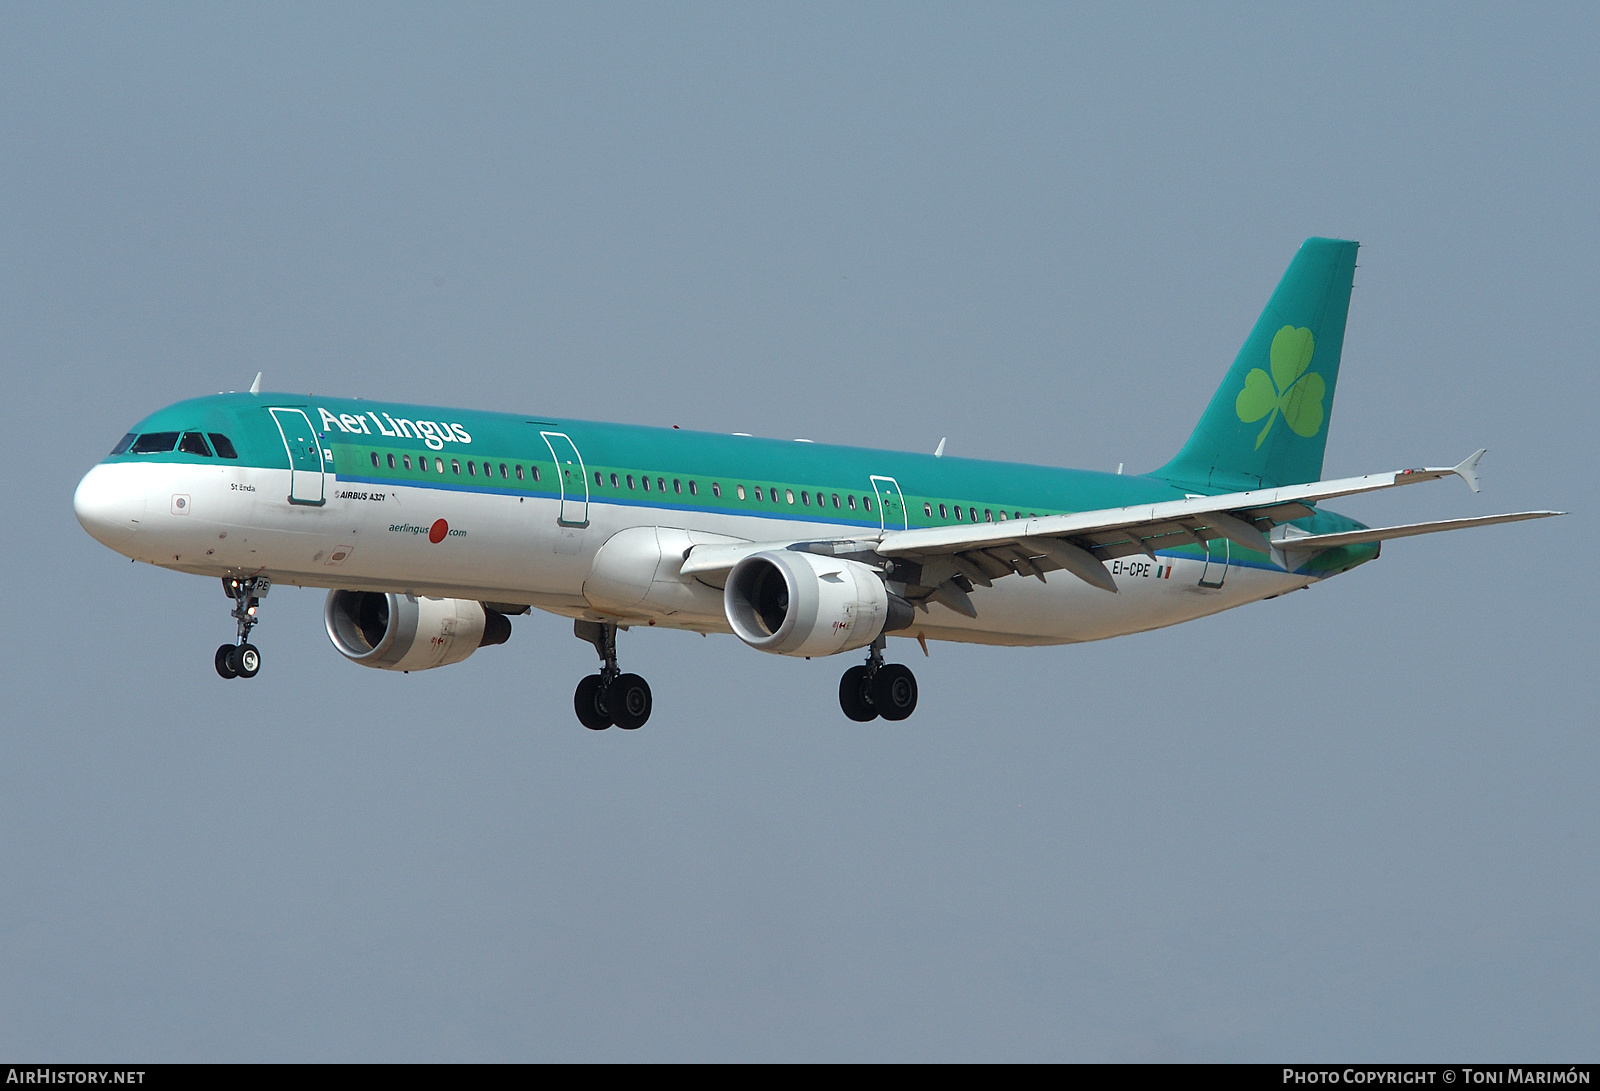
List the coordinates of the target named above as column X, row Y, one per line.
column 110, row 503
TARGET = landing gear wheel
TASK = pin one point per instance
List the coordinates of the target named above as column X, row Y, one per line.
column 854, row 697
column 588, row 702
column 894, row 691
column 242, row 659
column 628, row 698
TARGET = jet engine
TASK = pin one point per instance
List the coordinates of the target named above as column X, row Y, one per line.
column 792, row 603
column 408, row 633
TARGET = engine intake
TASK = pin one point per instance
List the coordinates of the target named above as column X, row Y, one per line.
column 407, row 633
column 791, row 603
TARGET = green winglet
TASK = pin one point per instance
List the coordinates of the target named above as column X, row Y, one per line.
column 1285, row 371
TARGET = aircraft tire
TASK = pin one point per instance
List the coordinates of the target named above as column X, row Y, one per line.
column 894, row 691
column 248, row 657
column 588, row 703
column 628, row 698
column 853, row 696
column 224, row 661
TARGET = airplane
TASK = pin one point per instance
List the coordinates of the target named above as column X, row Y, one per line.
column 432, row 527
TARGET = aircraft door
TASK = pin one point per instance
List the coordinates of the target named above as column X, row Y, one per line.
column 1218, row 554
column 891, row 503
column 571, row 477
column 306, row 466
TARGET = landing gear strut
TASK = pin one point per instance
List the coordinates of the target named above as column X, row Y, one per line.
column 878, row 688
column 242, row 660
column 609, row 697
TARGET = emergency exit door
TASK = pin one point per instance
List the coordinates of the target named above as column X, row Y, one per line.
column 572, row 478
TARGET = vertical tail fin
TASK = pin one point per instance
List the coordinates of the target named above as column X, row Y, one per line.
column 1267, row 425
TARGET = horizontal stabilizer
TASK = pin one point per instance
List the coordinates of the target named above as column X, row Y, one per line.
column 1317, row 542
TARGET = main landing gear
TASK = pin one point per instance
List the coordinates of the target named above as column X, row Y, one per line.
column 609, row 697
column 242, row 660
column 878, row 688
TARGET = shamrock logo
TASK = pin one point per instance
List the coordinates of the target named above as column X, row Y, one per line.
column 1289, row 389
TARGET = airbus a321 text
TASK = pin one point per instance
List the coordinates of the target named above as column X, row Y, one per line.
column 431, row 527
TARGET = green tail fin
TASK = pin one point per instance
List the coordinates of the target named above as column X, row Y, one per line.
column 1267, row 425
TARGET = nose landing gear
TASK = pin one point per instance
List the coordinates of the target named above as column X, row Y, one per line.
column 242, row 660
column 609, row 697
column 878, row 688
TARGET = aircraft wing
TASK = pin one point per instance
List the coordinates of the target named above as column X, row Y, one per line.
column 943, row 563
column 712, row 563
column 1079, row 542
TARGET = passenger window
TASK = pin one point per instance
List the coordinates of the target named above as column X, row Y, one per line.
column 194, row 444
column 155, row 443
column 693, row 491
column 519, row 471
column 598, row 480
column 391, row 461
column 1016, row 515
column 852, row 501
column 805, row 498
column 788, row 494
column 835, row 499
column 866, row 502
column 124, row 443
column 1002, row 515
column 958, row 513
column 942, row 513
column 223, row 445
column 645, row 481
column 758, row 491
column 988, row 516
column 438, row 465
column 972, row 513
column 661, row 484
column 503, row 474
column 927, row 509
column 535, row 470
column 772, row 494
column 374, row 460
column 455, row 466
column 739, row 489
column 405, row 460
column 614, row 481
column 677, row 486
column 716, row 490
column 630, row 481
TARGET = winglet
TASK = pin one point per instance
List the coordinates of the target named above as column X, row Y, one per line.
column 938, row 452
column 1468, row 470
column 255, row 388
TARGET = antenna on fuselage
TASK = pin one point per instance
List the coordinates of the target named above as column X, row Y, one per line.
column 255, row 387
column 938, row 452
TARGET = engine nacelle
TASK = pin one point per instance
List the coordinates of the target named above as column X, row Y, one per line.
column 407, row 633
column 792, row 603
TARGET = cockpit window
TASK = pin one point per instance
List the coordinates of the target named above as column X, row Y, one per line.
column 223, row 445
column 155, row 443
column 125, row 443
column 193, row 443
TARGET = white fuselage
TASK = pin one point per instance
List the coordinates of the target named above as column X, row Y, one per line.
column 235, row 520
